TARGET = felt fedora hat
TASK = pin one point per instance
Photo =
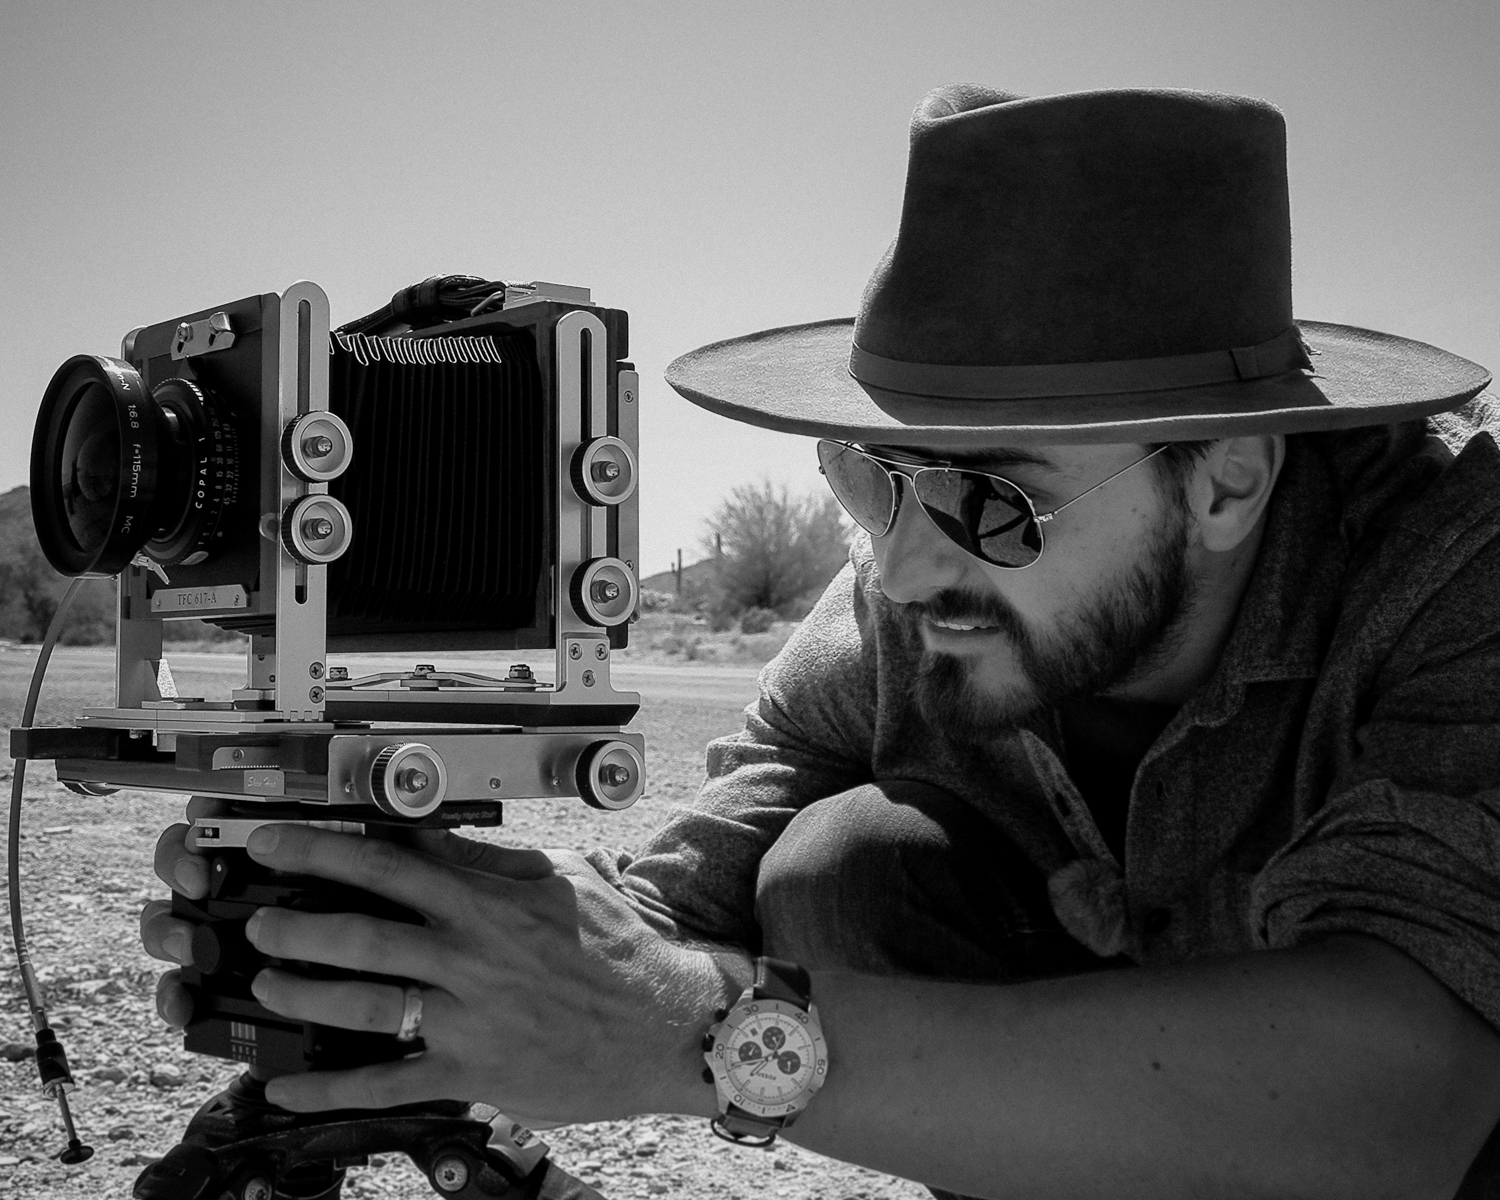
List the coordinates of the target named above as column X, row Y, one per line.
column 1109, row 266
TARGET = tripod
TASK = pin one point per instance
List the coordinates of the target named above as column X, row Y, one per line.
column 239, row 1146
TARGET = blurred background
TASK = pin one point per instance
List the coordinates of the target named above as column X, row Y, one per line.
column 712, row 168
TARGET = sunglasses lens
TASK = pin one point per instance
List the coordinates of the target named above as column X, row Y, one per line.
column 861, row 485
column 987, row 516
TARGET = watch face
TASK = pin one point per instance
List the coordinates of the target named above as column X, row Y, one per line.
column 771, row 1057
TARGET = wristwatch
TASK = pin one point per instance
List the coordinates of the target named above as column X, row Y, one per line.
column 766, row 1056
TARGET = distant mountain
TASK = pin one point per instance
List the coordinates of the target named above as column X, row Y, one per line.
column 15, row 523
column 30, row 589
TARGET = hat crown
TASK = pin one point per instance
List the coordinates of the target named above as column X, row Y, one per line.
column 1091, row 227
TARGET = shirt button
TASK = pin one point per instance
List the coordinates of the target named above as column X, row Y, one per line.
column 1157, row 920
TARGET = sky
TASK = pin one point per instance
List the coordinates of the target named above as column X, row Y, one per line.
column 711, row 168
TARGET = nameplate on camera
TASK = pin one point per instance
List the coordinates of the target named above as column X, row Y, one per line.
column 201, row 599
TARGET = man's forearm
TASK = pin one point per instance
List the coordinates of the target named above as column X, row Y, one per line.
column 1335, row 1069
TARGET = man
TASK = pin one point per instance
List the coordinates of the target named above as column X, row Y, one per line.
column 1131, row 804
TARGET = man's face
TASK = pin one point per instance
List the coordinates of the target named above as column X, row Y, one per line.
column 1100, row 607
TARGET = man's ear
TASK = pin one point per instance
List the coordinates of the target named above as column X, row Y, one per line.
column 1232, row 486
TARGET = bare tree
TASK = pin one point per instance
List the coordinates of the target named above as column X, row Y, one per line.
column 773, row 550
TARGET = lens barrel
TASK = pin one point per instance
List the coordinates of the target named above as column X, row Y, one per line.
column 115, row 470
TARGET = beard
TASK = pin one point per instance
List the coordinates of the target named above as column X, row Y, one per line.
column 1131, row 624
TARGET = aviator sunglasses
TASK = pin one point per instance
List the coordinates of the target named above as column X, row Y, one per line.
column 986, row 515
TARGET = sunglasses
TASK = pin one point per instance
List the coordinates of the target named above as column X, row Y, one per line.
column 986, row 515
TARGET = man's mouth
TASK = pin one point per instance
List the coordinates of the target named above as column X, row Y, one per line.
column 960, row 626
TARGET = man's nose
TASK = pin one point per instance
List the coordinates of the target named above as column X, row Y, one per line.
column 916, row 559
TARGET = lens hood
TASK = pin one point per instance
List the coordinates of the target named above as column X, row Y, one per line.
column 94, row 463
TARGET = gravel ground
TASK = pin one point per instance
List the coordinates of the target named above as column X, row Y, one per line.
column 86, row 871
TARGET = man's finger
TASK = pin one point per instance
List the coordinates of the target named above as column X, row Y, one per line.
column 164, row 936
column 173, row 1002
column 406, row 876
column 181, row 869
column 382, row 1086
column 344, row 1004
column 177, row 864
column 351, row 940
column 475, row 855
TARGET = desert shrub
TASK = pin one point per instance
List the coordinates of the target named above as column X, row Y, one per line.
column 654, row 601
column 757, row 620
column 772, row 550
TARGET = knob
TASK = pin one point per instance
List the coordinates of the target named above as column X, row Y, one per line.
column 316, row 529
column 317, row 446
column 604, row 472
column 408, row 780
column 610, row 775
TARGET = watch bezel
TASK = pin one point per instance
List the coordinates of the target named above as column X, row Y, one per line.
column 716, row 1057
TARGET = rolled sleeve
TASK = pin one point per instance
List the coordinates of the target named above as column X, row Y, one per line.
column 807, row 736
column 1419, row 870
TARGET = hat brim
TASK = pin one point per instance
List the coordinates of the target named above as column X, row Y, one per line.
column 796, row 379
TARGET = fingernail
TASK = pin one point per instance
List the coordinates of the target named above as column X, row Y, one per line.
column 275, row 1092
column 258, row 988
column 263, row 840
column 189, row 876
column 175, row 945
column 252, row 926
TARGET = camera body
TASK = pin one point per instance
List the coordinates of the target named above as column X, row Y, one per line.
column 466, row 486
column 454, row 474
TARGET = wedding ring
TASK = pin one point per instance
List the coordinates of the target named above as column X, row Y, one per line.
column 411, row 1014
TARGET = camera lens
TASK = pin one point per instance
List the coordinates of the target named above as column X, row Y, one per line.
column 115, row 471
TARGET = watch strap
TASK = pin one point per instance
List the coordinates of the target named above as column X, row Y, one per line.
column 777, row 979
column 739, row 1127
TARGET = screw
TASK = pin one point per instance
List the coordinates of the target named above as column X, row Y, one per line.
column 317, row 527
column 315, row 695
column 258, row 1188
column 606, row 471
column 219, row 322
column 606, row 590
column 520, row 671
column 315, row 670
column 588, row 679
column 348, row 789
column 317, row 447
column 238, row 755
column 450, row 1173
column 412, row 780
column 601, row 650
column 575, row 650
column 494, row 782
column 614, row 775
column 629, row 396
column 185, row 333
column 338, row 673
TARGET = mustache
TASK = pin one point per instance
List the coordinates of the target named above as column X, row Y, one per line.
column 958, row 607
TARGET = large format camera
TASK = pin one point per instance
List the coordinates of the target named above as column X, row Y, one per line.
column 454, row 473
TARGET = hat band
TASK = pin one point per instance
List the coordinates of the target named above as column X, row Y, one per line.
column 1284, row 352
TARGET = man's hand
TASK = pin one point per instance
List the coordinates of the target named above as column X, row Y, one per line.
column 544, row 993
column 164, row 936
